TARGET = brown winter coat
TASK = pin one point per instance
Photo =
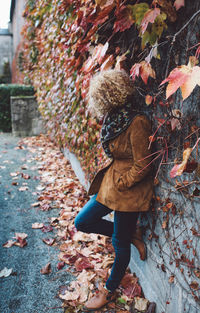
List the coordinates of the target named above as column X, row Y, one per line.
column 126, row 184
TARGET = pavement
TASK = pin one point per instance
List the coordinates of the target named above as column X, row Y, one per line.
column 26, row 290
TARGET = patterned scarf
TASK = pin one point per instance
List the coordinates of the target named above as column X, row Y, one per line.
column 115, row 122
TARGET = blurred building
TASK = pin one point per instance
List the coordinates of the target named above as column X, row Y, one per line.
column 16, row 22
column 6, row 49
column 10, row 40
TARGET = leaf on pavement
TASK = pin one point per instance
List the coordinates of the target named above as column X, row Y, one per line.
column 9, row 244
column 49, row 241
column 140, row 304
column 46, row 269
column 20, row 239
column 20, row 235
column 23, row 188
column 14, row 174
column 35, row 204
column 83, row 263
column 37, row 225
column 60, row 265
column 5, row 272
column 47, row 228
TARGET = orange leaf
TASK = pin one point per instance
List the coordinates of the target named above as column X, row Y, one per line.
column 192, row 80
column 142, row 69
column 185, row 76
column 146, row 71
column 176, row 78
column 149, row 17
column 178, row 169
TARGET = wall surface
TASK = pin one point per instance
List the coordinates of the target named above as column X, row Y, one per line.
column 5, row 48
column 26, row 119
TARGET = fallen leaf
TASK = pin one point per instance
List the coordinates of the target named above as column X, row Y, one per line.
column 21, row 239
column 83, row 263
column 140, row 303
column 60, row 265
column 9, row 244
column 25, row 176
column 47, row 228
column 5, row 272
column 69, row 295
column 46, row 269
column 37, row 225
column 20, row 235
column 35, row 204
column 23, row 188
column 14, row 174
column 49, row 241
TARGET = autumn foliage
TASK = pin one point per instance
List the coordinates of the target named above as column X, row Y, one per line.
column 66, row 42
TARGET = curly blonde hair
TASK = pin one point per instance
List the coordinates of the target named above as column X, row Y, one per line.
column 109, row 90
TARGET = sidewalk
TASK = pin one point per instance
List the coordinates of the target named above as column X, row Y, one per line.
column 26, row 290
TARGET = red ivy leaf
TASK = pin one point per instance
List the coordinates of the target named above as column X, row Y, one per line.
column 149, row 17
column 124, row 19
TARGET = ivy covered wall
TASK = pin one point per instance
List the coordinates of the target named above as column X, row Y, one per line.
column 157, row 42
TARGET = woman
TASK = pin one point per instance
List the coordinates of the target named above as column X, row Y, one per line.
column 126, row 185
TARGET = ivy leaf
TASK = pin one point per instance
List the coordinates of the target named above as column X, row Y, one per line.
column 142, row 69
column 108, row 63
column 178, row 169
column 185, row 76
column 149, row 17
column 178, row 4
column 124, row 19
column 139, row 11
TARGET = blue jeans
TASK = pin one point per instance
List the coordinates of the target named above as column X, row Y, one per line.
column 89, row 220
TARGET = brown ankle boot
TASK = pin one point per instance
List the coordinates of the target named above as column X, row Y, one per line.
column 138, row 242
column 99, row 300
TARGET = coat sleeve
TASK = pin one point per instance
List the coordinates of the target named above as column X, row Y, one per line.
column 139, row 138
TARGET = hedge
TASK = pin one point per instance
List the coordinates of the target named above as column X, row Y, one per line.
column 6, row 91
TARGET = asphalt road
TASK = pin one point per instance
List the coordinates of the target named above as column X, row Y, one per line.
column 26, row 290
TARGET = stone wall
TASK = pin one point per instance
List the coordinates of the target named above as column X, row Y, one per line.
column 26, row 119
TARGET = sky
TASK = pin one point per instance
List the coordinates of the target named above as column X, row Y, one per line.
column 4, row 13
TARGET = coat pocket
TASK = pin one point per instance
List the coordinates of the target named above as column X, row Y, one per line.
column 118, row 180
